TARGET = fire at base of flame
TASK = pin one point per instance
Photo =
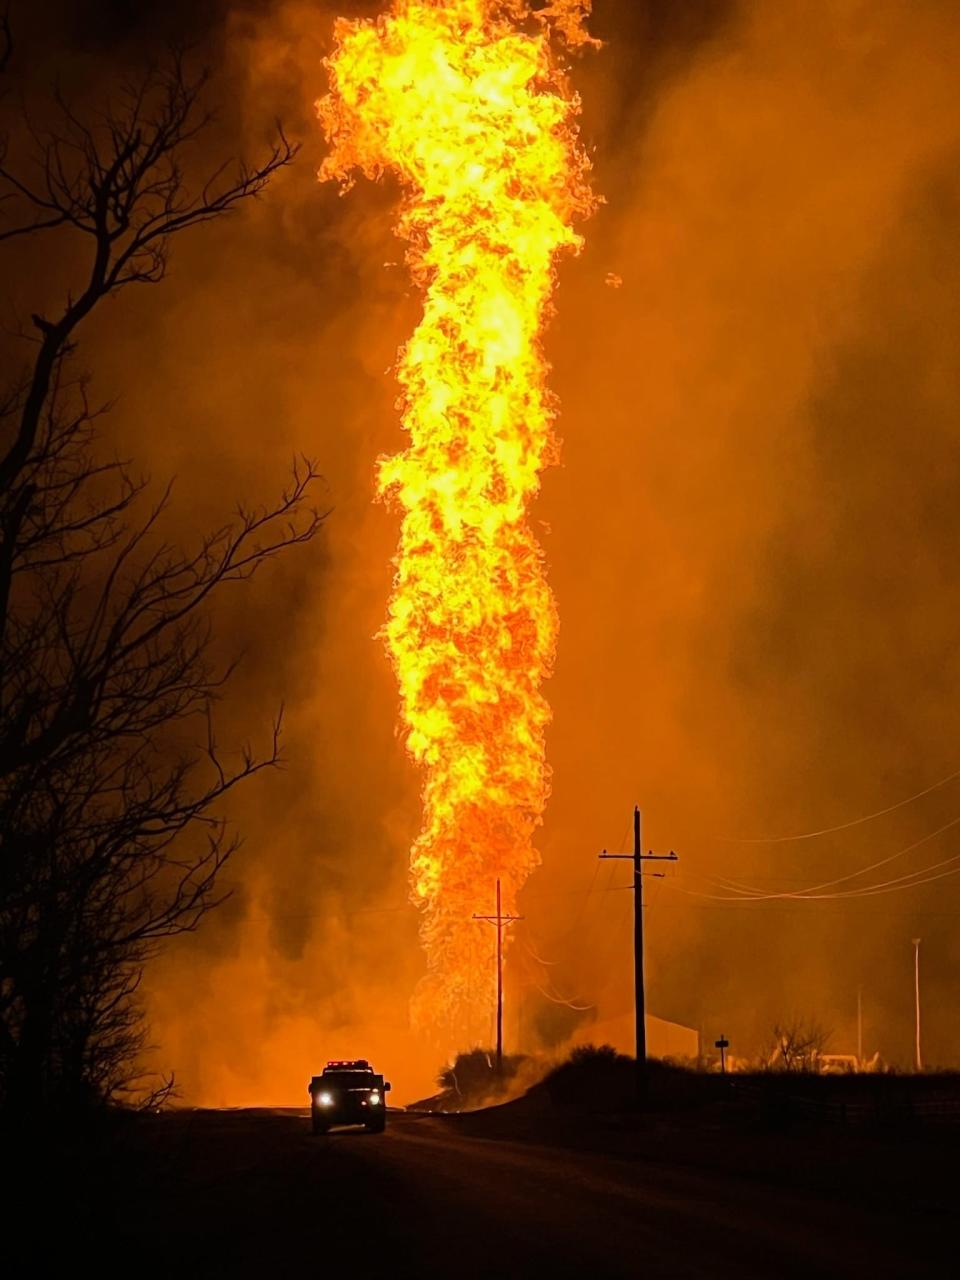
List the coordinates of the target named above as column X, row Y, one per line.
column 466, row 102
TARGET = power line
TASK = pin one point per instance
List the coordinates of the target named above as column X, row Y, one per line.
column 578, row 1008
column 556, row 998
column 711, row 903
column 812, row 890
column 869, row 891
column 918, row 877
column 539, row 959
column 894, row 886
column 898, row 884
column 843, row 826
column 910, row 880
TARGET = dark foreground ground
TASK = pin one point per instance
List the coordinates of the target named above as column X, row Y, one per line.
column 503, row 1193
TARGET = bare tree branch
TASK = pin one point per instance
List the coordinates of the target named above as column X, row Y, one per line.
column 112, row 834
column 6, row 40
column 120, row 182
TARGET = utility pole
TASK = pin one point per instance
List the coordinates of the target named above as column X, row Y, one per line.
column 639, row 857
column 500, row 920
column 859, row 1027
column 916, row 998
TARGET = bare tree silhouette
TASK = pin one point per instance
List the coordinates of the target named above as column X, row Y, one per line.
column 110, row 833
column 6, row 39
column 796, row 1046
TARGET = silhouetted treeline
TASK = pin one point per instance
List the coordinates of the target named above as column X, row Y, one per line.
column 111, row 837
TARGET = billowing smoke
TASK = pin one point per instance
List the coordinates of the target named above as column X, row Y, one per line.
column 753, row 536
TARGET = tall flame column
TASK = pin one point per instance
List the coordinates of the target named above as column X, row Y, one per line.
column 465, row 102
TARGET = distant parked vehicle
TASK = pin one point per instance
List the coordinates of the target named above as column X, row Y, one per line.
column 838, row 1064
column 348, row 1092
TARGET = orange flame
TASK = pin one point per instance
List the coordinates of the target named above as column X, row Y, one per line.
column 465, row 101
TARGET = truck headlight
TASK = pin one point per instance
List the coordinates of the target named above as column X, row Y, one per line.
column 375, row 1099
column 325, row 1099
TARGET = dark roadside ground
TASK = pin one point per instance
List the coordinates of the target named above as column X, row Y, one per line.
column 520, row 1190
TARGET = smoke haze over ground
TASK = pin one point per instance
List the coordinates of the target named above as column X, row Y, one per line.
column 754, row 535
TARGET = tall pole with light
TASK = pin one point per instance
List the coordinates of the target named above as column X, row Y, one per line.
column 916, row 999
column 859, row 1028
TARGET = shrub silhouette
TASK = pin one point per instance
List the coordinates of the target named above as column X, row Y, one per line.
column 472, row 1077
column 593, row 1077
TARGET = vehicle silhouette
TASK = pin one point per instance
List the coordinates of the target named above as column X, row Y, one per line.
column 348, row 1092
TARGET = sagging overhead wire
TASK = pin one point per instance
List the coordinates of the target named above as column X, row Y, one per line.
column 579, row 1008
column 556, row 997
column 539, row 959
column 915, row 879
column 911, row 880
column 843, row 826
column 758, row 894
column 748, row 905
